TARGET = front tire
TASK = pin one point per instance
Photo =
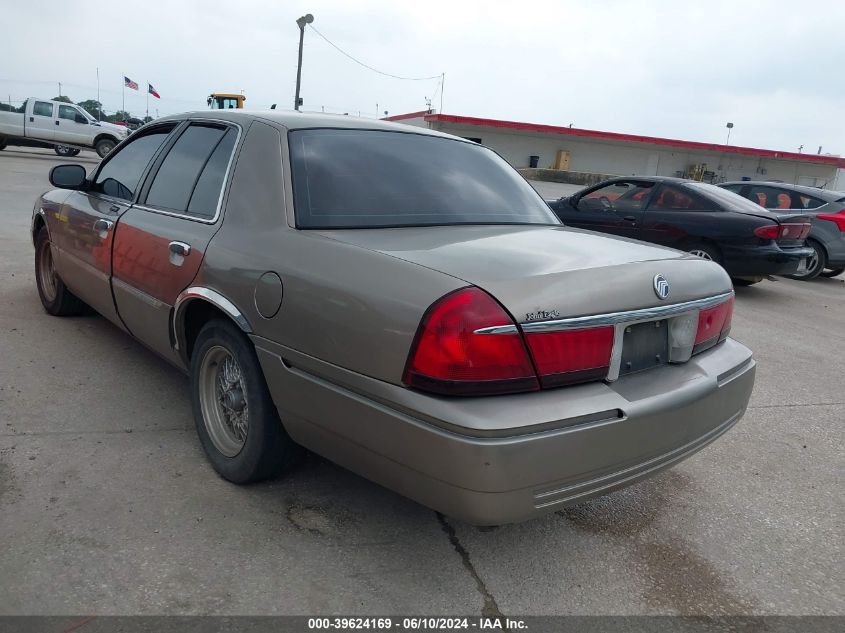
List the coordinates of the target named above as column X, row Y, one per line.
column 104, row 147
column 55, row 297
column 236, row 420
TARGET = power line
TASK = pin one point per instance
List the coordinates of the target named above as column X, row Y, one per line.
column 368, row 67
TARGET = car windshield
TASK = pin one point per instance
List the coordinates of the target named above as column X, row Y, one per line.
column 378, row 179
column 727, row 199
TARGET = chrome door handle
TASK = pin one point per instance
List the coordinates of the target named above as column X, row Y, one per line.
column 103, row 226
column 178, row 252
column 180, row 248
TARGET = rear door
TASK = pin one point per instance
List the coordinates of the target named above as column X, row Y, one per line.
column 679, row 217
column 41, row 121
column 160, row 242
column 616, row 208
column 84, row 246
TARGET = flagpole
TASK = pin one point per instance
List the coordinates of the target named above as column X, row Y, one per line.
column 148, row 99
column 100, row 107
column 123, row 94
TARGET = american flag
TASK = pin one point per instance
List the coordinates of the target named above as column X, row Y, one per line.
column 129, row 83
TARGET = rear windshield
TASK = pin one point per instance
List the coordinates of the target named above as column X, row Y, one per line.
column 726, row 199
column 372, row 179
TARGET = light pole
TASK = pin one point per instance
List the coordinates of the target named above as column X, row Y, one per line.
column 730, row 127
column 300, row 22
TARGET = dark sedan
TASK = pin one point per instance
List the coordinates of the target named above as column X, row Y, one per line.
column 826, row 210
column 747, row 240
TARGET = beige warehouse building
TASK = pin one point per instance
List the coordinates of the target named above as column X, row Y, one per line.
column 589, row 155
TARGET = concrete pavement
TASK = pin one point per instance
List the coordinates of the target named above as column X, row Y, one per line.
column 107, row 505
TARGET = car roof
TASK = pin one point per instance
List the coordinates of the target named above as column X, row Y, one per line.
column 827, row 194
column 301, row 121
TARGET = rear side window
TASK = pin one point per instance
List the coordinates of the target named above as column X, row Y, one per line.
column 375, row 178
column 809, row 202
column 206, row 195
column 42, row 108
column 120, row 175
column 672, row 198
column 191, row 176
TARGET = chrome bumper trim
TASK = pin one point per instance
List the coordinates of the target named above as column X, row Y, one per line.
column 612, row 318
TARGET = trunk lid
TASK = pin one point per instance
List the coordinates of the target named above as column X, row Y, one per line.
column 547, row 272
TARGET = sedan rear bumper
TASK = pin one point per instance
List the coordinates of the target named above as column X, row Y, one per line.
column 764, row 260
column 502, row 459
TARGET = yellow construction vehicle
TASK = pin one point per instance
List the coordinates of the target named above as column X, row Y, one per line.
column 225, row 101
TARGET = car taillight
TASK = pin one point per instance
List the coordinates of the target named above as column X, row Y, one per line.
column 714, row 325
column 768, row 232
column 837, row 218
column 786, row 231
column 794, row 231
column 450, row 357
column 571, row 356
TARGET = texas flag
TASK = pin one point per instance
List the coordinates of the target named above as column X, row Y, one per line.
column 129, row 83
column 152, row 91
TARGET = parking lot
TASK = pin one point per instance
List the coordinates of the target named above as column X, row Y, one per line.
column 108, row 506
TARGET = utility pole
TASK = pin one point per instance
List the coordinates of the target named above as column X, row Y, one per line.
column 300, row 22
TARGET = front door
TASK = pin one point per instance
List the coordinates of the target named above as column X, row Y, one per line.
column 85, row 248
column 41, row 122
column 160, row 242
column 71, row 129
column 616, row 208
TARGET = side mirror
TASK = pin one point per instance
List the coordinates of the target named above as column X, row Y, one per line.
column 81, row 119
column 67, row 176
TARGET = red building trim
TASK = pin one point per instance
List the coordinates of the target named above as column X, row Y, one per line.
column 614, row 136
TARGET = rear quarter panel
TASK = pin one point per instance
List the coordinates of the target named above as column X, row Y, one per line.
column 342, row 304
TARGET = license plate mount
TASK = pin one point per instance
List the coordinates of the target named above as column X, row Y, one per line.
column 644, row 346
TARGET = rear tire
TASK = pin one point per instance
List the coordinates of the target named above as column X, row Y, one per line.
column 104, row 147
column 832, row 272
column 705, row 251
column 816, row 264
column 236, row 420
column 64, row 150
column 55, row 297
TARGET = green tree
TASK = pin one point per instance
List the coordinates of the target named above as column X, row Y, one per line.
column 120, row 115
column 63, row 99
column 92, row 107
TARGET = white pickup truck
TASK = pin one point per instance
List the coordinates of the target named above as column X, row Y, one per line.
column 59, row 125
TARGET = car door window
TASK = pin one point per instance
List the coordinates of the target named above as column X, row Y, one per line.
column 190, row 178
column 672, row 198
column 42, row 108
column 68, row 112
column 618, row 196
column 120, row 175
column 769, row 197
column 206, row 195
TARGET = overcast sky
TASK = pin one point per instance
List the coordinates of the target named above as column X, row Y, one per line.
column 662, row 68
